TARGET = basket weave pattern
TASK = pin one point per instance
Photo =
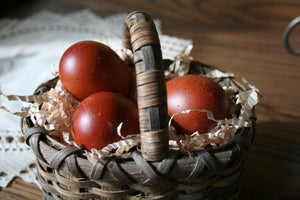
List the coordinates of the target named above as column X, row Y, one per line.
column 154, row 171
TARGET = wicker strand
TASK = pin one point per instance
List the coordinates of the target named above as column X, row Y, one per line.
column 119, row 174
column 72, row 164
column 147, row 169
column 97, row 170
column 61, row 155
column 32, row 137
column 45, row 185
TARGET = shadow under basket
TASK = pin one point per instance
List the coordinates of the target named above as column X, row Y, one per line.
column 153, row 171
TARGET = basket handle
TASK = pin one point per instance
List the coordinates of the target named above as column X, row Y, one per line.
column 141, row 37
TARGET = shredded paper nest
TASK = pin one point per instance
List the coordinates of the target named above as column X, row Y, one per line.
column 54, row 109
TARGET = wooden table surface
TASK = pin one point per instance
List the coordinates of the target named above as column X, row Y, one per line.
column 244, row 37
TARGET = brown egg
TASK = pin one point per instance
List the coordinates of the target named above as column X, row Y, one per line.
column 192, row 92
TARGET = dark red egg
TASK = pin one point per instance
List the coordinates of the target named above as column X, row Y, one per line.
column 89, row 67
column 95, row 121
column 195, row 92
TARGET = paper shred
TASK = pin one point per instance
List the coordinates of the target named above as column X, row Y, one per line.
column 54, row 109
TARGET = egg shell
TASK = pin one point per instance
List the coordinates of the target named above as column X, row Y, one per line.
column 195, row 92
column 96, row 120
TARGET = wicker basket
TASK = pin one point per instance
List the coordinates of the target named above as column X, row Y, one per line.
column 153, row 171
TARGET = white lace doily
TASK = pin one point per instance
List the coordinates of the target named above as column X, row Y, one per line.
column 30, row 50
